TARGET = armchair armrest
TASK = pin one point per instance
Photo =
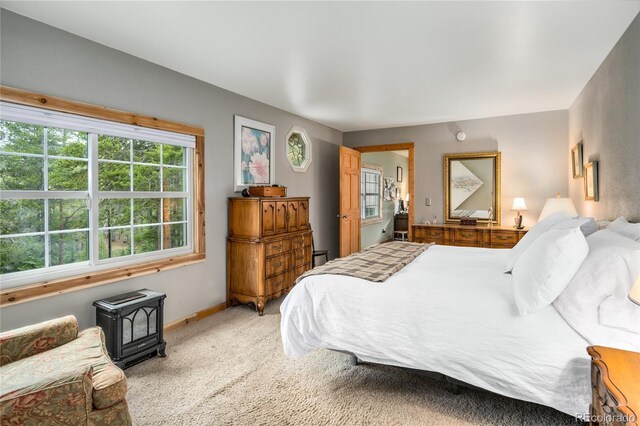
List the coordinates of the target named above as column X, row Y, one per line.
column 64, row 397
column 30, row 340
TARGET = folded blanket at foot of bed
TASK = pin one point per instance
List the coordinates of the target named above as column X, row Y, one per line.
column 376, row 263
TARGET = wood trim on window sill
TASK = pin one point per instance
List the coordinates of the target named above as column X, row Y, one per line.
column 31, row 292
column 365, row 222
column 14, row 296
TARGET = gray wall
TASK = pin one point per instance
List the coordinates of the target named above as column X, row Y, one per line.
column 389, row 161
column 606, row 116
column 534, row 157
column 41, row 58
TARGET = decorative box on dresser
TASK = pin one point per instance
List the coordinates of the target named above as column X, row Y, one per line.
column 268, row 247
column 615, row 386
column 468, row 236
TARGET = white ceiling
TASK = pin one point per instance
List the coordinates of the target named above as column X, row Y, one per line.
column 363, row 65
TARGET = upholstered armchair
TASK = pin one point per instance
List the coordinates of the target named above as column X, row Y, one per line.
column 51, row 374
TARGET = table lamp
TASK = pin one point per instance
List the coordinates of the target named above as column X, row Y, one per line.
column 556, row 205
column 518, row 205
column 634, row 294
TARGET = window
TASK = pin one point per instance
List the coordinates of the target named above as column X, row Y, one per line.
column 80, row 194
column 371, row 194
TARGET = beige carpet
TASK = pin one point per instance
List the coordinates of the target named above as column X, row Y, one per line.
column 230, row 369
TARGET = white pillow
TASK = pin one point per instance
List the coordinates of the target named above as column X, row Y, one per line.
column 620, row 313
column 610, row 268
column 622, row 227
column 546, row 268
column 587, row 225
column 536, row 230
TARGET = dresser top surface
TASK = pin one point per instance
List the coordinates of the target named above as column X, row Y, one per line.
column 267, row 198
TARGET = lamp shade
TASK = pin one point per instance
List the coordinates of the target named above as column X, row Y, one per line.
column 634, row 294
column 518, row 204
column 557, row 205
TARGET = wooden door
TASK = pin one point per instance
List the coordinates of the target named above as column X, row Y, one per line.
column 303, row 215
column 292, row 214
column 268, row 218
column 281, row 217
column 349, row 214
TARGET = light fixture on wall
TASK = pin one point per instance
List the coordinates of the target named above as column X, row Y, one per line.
column 558, row 205
column 461, row 136
column 518, row 205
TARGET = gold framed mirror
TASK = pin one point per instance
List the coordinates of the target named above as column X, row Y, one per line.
column 472, row 187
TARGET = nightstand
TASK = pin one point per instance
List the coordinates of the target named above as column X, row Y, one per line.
column 615, row 386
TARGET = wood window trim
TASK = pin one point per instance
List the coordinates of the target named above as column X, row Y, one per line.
column 44, row 289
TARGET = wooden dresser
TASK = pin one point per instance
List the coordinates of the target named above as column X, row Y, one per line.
column 268, row 247
column 468, row 236
column 615, row 386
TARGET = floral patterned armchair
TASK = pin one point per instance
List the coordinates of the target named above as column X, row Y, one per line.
column 51, row 374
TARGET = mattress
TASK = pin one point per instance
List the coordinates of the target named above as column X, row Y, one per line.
column 452, row 311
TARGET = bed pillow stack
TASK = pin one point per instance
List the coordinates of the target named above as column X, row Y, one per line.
column 533, row 234
column 595, row 303
column 546, row 267
column 622, row 227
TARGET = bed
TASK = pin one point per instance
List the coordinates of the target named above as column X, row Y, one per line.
column 450, row 311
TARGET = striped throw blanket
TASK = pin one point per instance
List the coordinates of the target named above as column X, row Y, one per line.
column 375, row 263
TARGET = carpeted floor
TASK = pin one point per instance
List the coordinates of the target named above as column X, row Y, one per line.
column 229, row 369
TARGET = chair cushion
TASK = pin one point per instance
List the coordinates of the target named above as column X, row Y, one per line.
column 50, row 367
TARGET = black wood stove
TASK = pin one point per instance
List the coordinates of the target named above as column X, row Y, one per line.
column 132, row 325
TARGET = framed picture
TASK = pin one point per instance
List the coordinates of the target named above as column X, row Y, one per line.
column 591, row 181
column 389, row 190
column 397, row 193
column 254, row 144
column 576, row 160
column 399, row 172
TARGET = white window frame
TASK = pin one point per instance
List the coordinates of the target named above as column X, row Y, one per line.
column 94, row 127
column 377, row 170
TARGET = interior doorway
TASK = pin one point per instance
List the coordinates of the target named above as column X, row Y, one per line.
column 405, row 195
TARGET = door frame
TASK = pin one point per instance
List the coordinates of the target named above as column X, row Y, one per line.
column 409, row 146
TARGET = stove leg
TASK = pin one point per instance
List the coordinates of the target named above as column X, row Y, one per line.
column 162, row 351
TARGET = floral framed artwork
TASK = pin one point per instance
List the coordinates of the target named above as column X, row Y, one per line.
column 591, row 181
column 576, row 160
column 254, row 144
column 298, row 149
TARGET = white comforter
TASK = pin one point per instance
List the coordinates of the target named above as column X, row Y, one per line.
column 451, row 311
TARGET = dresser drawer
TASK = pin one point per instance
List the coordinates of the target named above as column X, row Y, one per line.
column 434, row 233
column 503, row 238
column 276, row 283
column 277, row 264
column 466, row 236
column 299, row 271
column 277, row 247
column 297, row 241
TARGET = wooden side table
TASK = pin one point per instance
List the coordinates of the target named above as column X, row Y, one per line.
column 615, row 386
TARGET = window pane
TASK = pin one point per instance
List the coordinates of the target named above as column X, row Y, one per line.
column 114, row 243
column 114, row 212
column 173, row 155
column 68, row 175
column 174, row 209
column 21, row 137
column 21, row 173
column 114, row 148
column 68, row 247
column 67, row 143
column 173, row 179
column 146, row 178
column 146, row 239
column 68, row 214
column 21, row 216
column 146, row 152
column 113, row 177
column 174, row 235
column 21, row 254
column 146, row 210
